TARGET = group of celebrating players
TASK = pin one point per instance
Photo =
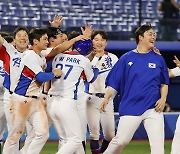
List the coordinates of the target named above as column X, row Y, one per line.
column 70, row 81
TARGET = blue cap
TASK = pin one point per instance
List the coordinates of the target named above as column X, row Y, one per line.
column 84, row 47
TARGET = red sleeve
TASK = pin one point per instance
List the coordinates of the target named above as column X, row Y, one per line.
column 2, row 52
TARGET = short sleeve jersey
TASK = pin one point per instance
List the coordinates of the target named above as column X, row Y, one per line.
column 72, row 65
column 12, row 59
column 138, row 78
column 32, row 65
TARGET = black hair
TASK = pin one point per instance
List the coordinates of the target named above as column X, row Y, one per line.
column 100, row 32
column 3, row 34
column 9, row 38
column 140, row 31
column 53, row 32
column 36, row 33
column 20, row 28
column 73, row 34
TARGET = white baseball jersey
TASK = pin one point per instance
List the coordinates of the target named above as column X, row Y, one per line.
column 107, row 60
column 12, row 64
column 72, row 64
column 2, row 73
column 176, row 71
column 32, row 65
column 46, row 52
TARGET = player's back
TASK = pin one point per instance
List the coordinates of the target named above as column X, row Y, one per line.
column 72, row 65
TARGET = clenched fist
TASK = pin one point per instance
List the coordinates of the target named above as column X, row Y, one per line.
column 57, row 72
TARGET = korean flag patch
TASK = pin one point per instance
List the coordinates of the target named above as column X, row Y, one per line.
column 152, row 65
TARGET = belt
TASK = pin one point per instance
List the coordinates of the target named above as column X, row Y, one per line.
column 100, row 95
column 36, row 97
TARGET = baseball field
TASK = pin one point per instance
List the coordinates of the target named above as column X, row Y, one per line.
column 135, row 147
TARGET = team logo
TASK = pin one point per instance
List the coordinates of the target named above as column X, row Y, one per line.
column 152, row 65
column 130, row 63
column 16, row 61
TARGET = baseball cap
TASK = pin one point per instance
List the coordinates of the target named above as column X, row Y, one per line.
column 54, row 31
column 84, row 47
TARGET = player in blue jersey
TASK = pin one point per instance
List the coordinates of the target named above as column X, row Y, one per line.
column 141, row 78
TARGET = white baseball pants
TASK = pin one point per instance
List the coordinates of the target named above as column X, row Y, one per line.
column 153, row 124
column 175, row 149
column 64, row 114
column 23, row 109
column 95, row 117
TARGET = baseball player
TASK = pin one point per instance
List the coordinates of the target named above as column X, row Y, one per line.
column 25, row 103
column 55, row 46
column 141, row 78
column 96, row 91
column 63, row 94
column 2, row 115
column 81, row 101
column 11, row 56
column 175, row 149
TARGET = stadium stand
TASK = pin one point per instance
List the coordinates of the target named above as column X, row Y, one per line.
column 114, row 16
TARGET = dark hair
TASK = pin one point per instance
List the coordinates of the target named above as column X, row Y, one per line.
column 140, row 31
column 36, row 33
column 3, row 34
column 20, row 28
column 100, row 32
column 9, row 38
column 73, row 34
column 53, row 32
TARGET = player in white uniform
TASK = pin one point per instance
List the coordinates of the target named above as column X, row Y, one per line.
column 175, row 149
column 25, row 103
column 96, row 92
column 63, row 94
column 11, row 56
column 56, row 45
column 2, row 114
column 141, row 79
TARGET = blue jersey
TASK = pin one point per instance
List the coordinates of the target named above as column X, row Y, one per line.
column 138, row 78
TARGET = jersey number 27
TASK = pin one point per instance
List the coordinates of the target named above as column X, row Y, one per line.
column 68, row 69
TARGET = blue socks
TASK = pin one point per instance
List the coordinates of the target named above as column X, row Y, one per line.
column 94, row 145
column 104, row 145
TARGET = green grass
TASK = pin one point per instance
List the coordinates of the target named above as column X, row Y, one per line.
column 134, row 147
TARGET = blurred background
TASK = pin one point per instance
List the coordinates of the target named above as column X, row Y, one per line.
column 118, row 17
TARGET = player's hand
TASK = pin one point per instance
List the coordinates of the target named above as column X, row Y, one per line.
column 156, row 50
column 56, row 21
column 176, row 61
column 159, row 106
column 57, row 72
column 80, row 37
column 87, row 31
column 104, row 104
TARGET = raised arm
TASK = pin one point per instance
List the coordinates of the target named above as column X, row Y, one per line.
column 68, row 44
column 176, row 5
column 56, row 21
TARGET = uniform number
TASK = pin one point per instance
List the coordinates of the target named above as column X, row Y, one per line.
column 68, row 67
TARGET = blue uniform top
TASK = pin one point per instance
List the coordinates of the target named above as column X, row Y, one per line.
column 138, row 78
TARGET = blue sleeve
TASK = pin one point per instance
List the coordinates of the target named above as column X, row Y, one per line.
column 49, row 66
column 44, row 77
column 115, row 77
column 164, row 73
column 96, row 72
